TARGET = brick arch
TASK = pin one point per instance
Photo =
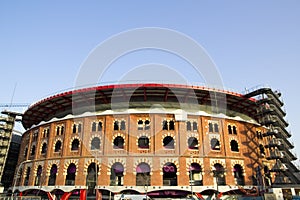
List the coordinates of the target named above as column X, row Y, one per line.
column 237, row 141
column 217, row 161
column 72, row 139
column 194, row 160
column 41, row 146
column 94, row 136
column 52, row 162
column 168, row 134
column 67, row 163
column 112, row 162
column 143, row 160
column 56, row 140
column 237, row 162
column 169, row 160
column 87, row 164
column 34, row 170
column 141, row 135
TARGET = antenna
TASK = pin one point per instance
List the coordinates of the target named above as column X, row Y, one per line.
column 13, row 94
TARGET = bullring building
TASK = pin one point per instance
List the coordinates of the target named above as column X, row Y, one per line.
column 166, row 140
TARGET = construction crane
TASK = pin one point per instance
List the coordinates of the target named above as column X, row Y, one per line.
column 14, row 105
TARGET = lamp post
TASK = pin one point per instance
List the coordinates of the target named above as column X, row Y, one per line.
column 16, row 176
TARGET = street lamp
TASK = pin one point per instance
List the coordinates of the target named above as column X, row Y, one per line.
column 15, row 178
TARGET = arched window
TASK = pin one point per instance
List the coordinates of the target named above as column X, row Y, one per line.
column 57, row 146
column 215, row 144
column 193, row 143
column 195, row 174
column 147, row 124
column 210, row 127
column 164, row 125
column 143, row 142
column 116, row 125
column 169, row 174
column 71, row 174
column 219, row 174
column 119, row 142
column 99, row 126
column 140, row 125
column 238, row 174
column 171, row 125
column 195, row 126
column 32, row 150
column 229, row 129
column 143, row 177
column 234, row 130
column 57, row 130
column 52, row 176
column 44, row 148
column 216, row 126
column 91, row 178
column 75, row 145
column 93, row 126
column 27, row 176
column 234, row 146
column 116, row 174
column 169, row 142
column 188, row 126
column 38, row 176
column 79, row 128
column 74, row 128
column 62, row 130
column 95, row 144
column 123, row 125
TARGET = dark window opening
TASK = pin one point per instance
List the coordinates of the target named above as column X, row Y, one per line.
column 123, row 125
column 143, row 142
column 57, row 130
column 143, row 177
column 57, row 146
column 195, row 174
column 234, row 130
column 169, row 174
column 99, row 126
column 62, row 130
column 116, row 175
column 116, row 125
column 119, row 143
column 79, row 128
column 210, row 127
column 215, row 144
column 234, row 146
column 93, row 126
column 169, row 142
column 238, row 174
column 171, row 125
column 219, row 174
column 192, row 143
column 229, row 129
column 140, row 125
column 95, row 144
column 216, row 126
column 195, row 126
column 147, row 125
column 71, row 174
column 44, row 148
column 33, row 150
column 75, row 145
column 74, row 128
column 27, row 176
column 38, row 176
column 165, row 125
column 188, row 126
column 52, row 176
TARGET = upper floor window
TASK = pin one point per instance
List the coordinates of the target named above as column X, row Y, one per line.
column 75, row 145
column 77, row 128
column 119, row 125
column 119, row 142
column 168, row 142
column 96, row 126
column 191, row 126
column 143, row 124
column 234, row 146
column 46, row 132
column 168, row 125
column 215, row 144
column 232, row 129
column 213, row 127
column 143, row 142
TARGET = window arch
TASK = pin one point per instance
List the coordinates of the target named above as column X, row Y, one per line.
column 32, row 150
column 165, row 125
column 195, row 174
column 234, row 130
column 93, row 126
column 116, row 174
column 52, row 176
column 229, row 129
column 171, row 125
column 91, row 178
column 27, row 176
column 234, row 146
column 210, row 127
column 169, row 174
column 188, row 126
column 119, row 142
column 100, row 126
column 57, row 130
column 75, row 145
column 219, row 174
column 38, row 176
column 74, row 130
column 168, row 142
column 44, row 148
column 147, row 124
column 123, row 125
column 116, row 125
column 95, row 144
column 215, row 144
column 57, row 147
column 193, row 143
column 195, row 126
column 140, row 124
column 238, row 174
column 71, row 174
column 143, row 177
column 143, row 142
column 62, row 130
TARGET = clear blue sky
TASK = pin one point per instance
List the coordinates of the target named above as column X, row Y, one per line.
column 44, row 43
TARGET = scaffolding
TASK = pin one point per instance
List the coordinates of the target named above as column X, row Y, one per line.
column 270, row 113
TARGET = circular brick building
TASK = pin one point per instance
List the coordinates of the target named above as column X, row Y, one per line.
column 165, row 140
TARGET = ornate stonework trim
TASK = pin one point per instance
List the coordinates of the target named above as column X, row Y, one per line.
column 112, row 161
column 237, row 162
column 116, row 135
column 189, row 161
column 95, row 135
column 217, row 161
column 143, row 160
column 50, row 163
column 168, row 134
column 36, row 165
column 67, row 163
column 90, row 161
column 72, row 139
column 164, row 161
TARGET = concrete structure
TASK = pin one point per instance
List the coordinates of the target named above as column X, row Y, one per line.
column 165, row 140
